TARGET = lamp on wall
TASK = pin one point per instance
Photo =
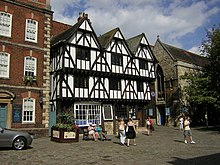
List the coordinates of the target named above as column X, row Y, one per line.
column 40, row 97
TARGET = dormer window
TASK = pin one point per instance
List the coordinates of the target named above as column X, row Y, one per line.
column 31, row 30
column 5, row 24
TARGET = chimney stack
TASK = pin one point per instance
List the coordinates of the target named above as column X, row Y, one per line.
column 82, row 15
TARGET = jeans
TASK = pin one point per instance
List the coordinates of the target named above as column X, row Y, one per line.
column 122, row 136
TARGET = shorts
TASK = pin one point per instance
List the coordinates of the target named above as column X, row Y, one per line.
column 187, row 133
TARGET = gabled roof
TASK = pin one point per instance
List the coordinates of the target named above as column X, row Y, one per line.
column 183, row 55
column 107, row 37
column 134, row 42
column 67, row 34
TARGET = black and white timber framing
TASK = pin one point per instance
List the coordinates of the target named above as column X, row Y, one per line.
column 100, row 78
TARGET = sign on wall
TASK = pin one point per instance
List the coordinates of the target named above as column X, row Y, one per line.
column 17, row 113
column 107, row 112
column 167, row 111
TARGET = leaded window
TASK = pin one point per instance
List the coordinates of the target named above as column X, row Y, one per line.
column 5, row 24
column 116, row 59
column 31, row 30
column 140, row 86
column 143, row 64
column 4, row 64
column 87, row 113
column 83, row 53
column 114, row 84
column 81, row 82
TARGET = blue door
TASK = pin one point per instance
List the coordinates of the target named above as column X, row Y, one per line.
column 3, row 115
column 52, row 120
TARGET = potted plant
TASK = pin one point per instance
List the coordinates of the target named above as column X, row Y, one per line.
column 65, row 131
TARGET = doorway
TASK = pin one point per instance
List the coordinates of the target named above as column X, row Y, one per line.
column 3, row 115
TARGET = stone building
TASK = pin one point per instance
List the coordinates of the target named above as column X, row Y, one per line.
column 173, row 63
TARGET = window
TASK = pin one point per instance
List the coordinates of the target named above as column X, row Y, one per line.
column 28, row 110
column 143, row 64
column 81, row 82
column 4, row 64
column 115, row 84
column 30, row 66
column 83, row 54
column 87, row 113
column 140, row 86
column 116, row 59
column 5, row 24
column 31, row 30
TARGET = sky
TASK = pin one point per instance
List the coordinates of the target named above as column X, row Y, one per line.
column 181, row 23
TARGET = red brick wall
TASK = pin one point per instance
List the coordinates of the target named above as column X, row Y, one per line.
column 58, row 28
column 18, row 48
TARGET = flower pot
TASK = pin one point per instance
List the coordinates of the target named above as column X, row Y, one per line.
column 64, row 136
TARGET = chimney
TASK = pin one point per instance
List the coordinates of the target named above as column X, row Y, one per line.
column 82, row 15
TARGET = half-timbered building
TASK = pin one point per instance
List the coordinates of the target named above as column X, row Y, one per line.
column 100, row 79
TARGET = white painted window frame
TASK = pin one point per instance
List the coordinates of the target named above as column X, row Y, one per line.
column 4, row 64
column 31, row 102
column 31, row 29
column 87, row 114
column 34, row 65
column 5, row 24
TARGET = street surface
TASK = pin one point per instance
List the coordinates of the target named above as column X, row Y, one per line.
column 165, row 146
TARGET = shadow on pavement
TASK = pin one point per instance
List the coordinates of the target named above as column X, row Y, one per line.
column 213, row 159
column 210, row 128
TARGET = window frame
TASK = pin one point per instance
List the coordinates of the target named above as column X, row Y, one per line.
column 35, row 66
column 8, row 65
column 92, row 113
column 10, row 24
column 114, row 84
column 143, row 64
column 36, row 31
column 140, row 86
column 33, row 111
column 81, row 82
column 116, row 59
column 83, row 53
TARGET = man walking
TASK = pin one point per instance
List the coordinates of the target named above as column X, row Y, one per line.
column 187, row 131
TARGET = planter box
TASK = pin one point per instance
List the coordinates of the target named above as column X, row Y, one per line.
column 64, row 136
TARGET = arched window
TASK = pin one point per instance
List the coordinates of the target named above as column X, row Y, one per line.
column 160, row 83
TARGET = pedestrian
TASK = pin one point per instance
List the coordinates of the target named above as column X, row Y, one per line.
column 149, row 125
column 92, row 131
column 130, row 132
column 187, row 130
column 181, row 121
column 121, row 130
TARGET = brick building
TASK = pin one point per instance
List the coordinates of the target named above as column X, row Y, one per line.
column 25, row 27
